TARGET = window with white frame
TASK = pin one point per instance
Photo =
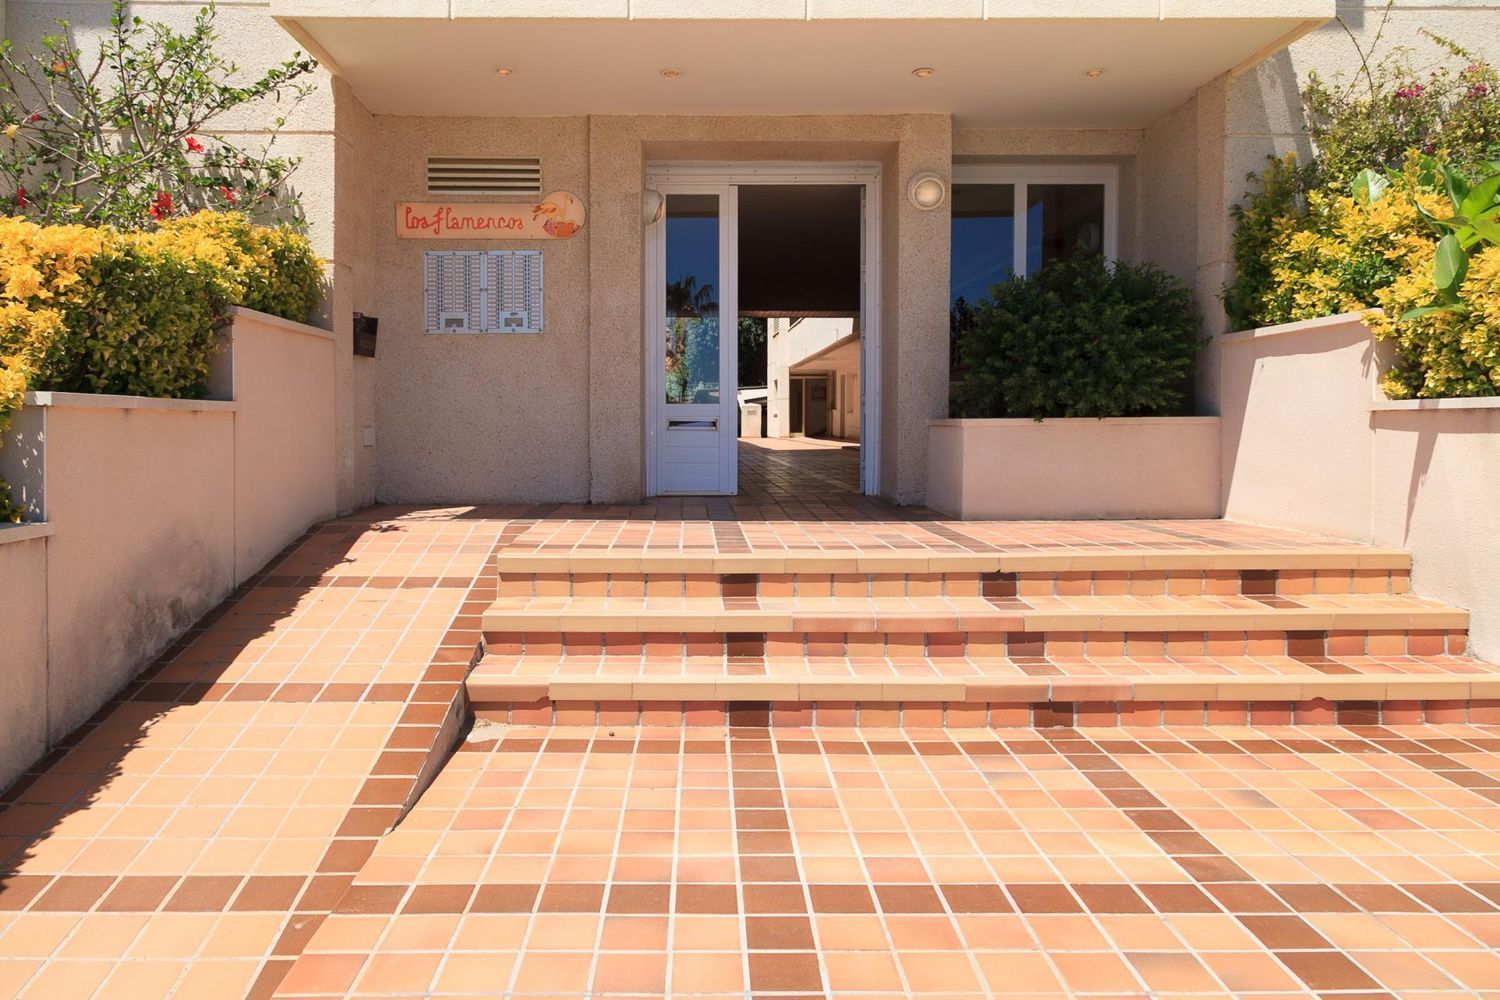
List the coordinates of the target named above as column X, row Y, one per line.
column 1012, row 218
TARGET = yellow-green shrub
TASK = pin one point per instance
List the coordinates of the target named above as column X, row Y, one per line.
column 1346, row 253
column 90, row 309
column 1443, row 353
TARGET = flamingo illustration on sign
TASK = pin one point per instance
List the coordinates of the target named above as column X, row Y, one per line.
column 563, row 212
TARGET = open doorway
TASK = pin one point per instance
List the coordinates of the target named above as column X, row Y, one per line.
column 800, row 287
column 762, row 332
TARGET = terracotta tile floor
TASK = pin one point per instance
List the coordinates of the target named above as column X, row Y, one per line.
column 792, row 468
column 866, row 526
column 1191, row 862
column 192, row 839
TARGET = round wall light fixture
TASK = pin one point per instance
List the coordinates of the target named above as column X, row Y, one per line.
column 927, row 191
column 923, row 72
column 504, row 71
column 671, row 73
column 653, row 206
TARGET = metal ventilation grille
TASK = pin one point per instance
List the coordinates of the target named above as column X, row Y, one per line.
column 484, row 175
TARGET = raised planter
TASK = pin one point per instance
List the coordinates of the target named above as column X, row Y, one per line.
column 1075, row 468
column 1311, row 442
column 145, row 513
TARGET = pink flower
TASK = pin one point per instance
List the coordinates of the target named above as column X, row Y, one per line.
column 21, row 197
column 1407, row 93
column 36, row 116
column 228, row 195
column 193, row 145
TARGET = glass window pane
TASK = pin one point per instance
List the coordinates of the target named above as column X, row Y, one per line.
column 692, row 275
column 1062, row 219
column 983, row 235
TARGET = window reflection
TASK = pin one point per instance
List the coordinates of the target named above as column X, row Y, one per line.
column 692, row 276
column 1063, row 219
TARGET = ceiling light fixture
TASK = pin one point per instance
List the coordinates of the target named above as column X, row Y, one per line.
column 504, row 71
column 1093, row 74
column 923, row 72
column 671, row 74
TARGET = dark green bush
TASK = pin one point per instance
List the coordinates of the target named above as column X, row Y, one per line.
column 1080, row 338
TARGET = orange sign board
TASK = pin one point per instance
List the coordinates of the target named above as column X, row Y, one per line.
column 556, row 216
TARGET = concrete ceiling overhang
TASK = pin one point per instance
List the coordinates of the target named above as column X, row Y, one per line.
column 1021, row 63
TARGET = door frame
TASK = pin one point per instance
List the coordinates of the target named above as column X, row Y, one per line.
column 662, row 176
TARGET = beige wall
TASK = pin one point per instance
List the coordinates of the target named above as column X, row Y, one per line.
column 140, row 495
column 473, row 417
column 284, row 433
column 1295, row 405
column 1309, row 442
column 1434, row 494
column 23, row 650
column 154, row 510
column 1079, row 468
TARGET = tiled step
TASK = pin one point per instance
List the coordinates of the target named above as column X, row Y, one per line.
column 1379, row 624
column 1035, row 691
column 1068, row 572
column 1030, row 624
column 1124, row 613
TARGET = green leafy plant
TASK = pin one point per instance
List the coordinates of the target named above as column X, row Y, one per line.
column 1392, row 104
column 126, row 137
column 1082, row 337
column 1472, row 223
column 1363, row 125
column 1279, row 194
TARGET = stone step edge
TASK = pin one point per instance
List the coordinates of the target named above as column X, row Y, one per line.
column 1365, row 687
column 728, row 563
column 717, row 620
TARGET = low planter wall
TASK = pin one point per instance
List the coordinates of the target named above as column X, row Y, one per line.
column 1076, row 468
column 23, row 646
column 148, row 512
column 1311, row 442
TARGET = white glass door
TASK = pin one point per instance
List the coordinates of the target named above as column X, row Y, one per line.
column 692, row 319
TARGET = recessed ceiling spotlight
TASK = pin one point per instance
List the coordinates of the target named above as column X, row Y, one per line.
column 923, row 72
column 671, row 74
column 504, row 71
column 1093, row 74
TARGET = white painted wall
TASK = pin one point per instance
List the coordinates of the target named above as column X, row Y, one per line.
column 788, row 342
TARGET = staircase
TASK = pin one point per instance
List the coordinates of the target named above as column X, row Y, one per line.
column 1195, row 631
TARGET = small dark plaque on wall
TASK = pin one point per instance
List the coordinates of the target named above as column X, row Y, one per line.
column 365, row 330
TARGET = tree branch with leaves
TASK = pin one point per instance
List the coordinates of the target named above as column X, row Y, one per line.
column 127, row 137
